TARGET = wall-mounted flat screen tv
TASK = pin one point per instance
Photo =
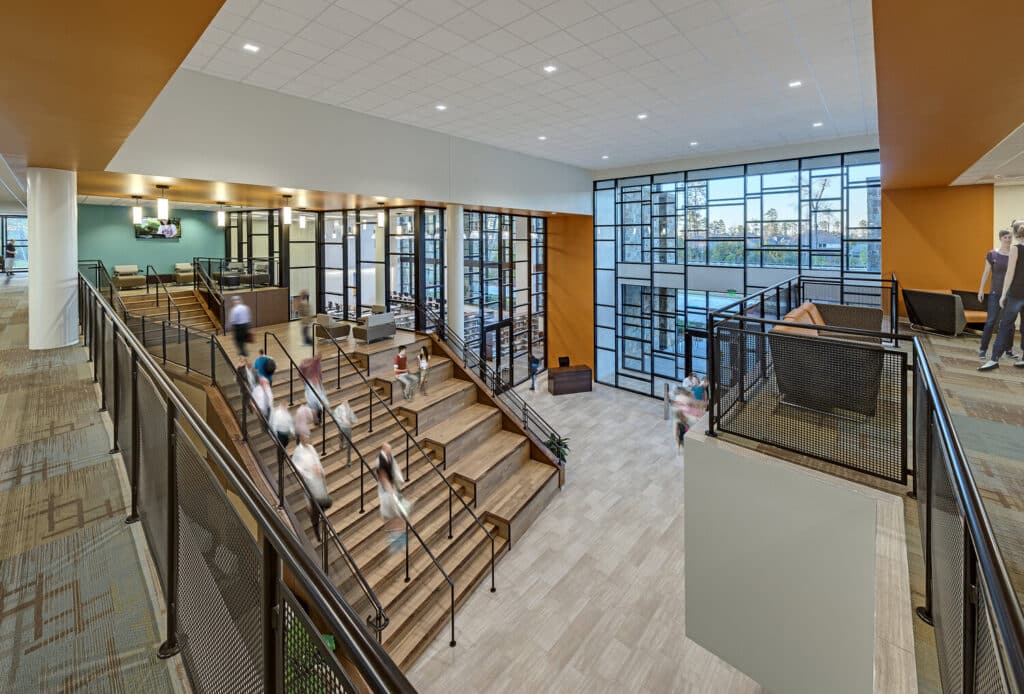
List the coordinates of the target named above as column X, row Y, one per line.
column 153, row 228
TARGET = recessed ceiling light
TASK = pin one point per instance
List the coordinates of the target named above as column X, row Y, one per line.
column 795, row 83
column 441, row 107
column 604, row 156
column 550, row 68
column 694, row 143
column 542, row 137
column 641, row 116
column 251, row 47
column 817, row 125
column 379, row 198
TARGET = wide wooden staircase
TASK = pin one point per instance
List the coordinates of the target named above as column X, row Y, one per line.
column 486, row 462
column 193, row 313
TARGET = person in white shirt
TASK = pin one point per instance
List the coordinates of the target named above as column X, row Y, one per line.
column 240, row 322
column 282, row 425
column 307, row 462
column 263, row 398
column 303, row 423
column 346, row 419
column 424, row 360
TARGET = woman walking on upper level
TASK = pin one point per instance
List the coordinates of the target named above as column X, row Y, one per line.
column 1011, row 300
column 996, row 262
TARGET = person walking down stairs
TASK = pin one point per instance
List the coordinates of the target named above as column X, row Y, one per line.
column 393, row 508
column 307, row 462
column 346, row 420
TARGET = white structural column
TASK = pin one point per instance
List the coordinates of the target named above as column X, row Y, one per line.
column 53, row 258
column 454, row 286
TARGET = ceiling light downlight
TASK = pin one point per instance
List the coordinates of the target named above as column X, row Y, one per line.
column 604, row 156
column 163, row 208
column 795, row 83
column 302, row 218
column 641, row 116
column 542, row 137
column 694, row 143
column 137, row 210
column 286, row 210
column 251, row 48
column 222, row 216
column 441, row 107
column 817, row 124
column 550, row 68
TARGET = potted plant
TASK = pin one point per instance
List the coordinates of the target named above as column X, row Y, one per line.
column 559, row 446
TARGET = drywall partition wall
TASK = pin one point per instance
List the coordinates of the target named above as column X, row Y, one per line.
column 246, row 134
column 105, row 232
column 1007, row 205
column 570, row 278
column 936, row 238
column 780, row 572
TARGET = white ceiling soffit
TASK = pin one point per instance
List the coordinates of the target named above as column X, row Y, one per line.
column 128, row 202
column 1003, row 164
column 711, row 72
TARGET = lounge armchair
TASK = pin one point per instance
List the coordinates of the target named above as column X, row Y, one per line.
column 324, row 325
column 941, row 310
column 374, row 327
column 128, row 277
column 828, row 371
column 183, row 273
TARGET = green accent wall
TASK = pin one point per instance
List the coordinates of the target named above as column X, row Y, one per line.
column 106, row 232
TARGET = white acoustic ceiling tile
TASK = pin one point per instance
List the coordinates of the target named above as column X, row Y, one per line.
column 341, row 65
column 473, row 54
column 367, row 50
column 697, row 16
column 194, row 62
column 233, row 54
column 470, row 25
column 383, row 38
column 242, row 7
column 286, row 58
column 532, row 27
column 406, row 23
column 227, row 21
column 566, row 13
column 593, row 29
column 313, row 51
column 419, row 53
column 584, row 55
column 267, row 80
column 528, row 55
column 474, row 75
column 502, row 12
column 442, row 40
column 215, row 37
column 341, row 20
column 374, row 10
column 450, row 65
column 633, row 14
column 265, row 37
column 613, row 45
column 310, row 9
column 558, row 43
column 231, row 71
column 279, row 18
column 438, row 11
column 652, row 32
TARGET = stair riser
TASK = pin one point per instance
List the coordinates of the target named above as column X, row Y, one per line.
column 525, row 516
column 469, row 440
column 443, row 409
column 503, row 470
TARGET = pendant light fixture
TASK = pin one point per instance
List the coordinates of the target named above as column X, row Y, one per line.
column 380, row 215
column 163, row 210
column 222, row 216
column 286, row 211
column 137, row 210
column 302, row 217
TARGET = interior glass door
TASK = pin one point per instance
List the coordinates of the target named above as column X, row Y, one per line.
column 16, row 229
column 496, row 352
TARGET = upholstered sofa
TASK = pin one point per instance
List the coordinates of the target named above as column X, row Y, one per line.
column 374, row 327
column 942, row 310
column 324, row 325
column 830, row 371
column 183, row 273
column 235, row 274
column 128, row 277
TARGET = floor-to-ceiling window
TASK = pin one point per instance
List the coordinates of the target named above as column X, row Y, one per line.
column 667, row 247
column 15, row 228
column 505, row 290
column 302, row 260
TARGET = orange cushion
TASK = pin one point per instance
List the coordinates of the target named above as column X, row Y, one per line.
column 814, row 313
column 932, row 291
column 975, row 316
column 794, row 330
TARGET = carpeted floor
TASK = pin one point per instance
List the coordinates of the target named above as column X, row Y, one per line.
column 75, row 608
column 988, row 413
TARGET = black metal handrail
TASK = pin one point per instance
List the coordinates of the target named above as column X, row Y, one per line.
column 151, row 272
column 327, row 528
column 201, row 276
column 412, row 439
column 532, row 420
column 375, row 666
column 326, row 406
column 1005, row 607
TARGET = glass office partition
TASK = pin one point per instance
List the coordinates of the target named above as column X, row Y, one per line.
column 669, row 246
column 433, row 259
column 302, row 262
column 370, row 250
column 15, row 228
column 333, row 282
column 401, row 261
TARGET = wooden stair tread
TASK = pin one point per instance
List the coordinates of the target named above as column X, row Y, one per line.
column 459, row 423
column 388, row 373
column 436, row 394
column 495, row 449
column 514, row 493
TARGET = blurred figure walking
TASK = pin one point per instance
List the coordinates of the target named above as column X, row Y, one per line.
column 346, row 419
column 307, row 462
column 240, row 323
column 393, row 508
column 282, row 425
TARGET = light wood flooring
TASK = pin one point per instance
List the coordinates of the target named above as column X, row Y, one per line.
column 592, row 597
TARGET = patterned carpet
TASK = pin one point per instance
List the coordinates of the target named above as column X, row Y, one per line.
column 75, row 609
column 988, row 413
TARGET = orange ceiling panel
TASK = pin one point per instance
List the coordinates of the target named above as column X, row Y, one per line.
column 76, row 77
column 950, row 77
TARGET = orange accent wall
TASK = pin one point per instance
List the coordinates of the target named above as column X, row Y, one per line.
column 936, row 238
column 571, row 289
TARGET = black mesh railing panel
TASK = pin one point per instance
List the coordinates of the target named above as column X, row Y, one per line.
column 220, row 583
column 947, row 572
column 198, row 351
column 840, row 401
column 922, row 456
column 308, row 665
column 153, row 496
column 107, row 331
column 989, row 677
column 124, row 409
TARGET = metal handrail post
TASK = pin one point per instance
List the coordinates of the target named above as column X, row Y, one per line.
column 273, row 668
column 116, row 390
column 713, row 388
column 170, row 647
column 133, row 483
column 103, row 364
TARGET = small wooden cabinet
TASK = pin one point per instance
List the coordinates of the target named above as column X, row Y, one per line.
column 570, row 379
